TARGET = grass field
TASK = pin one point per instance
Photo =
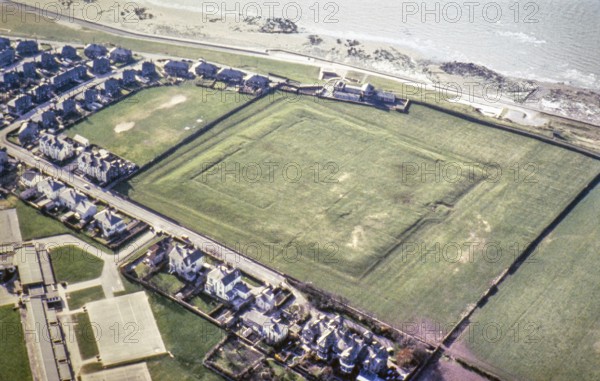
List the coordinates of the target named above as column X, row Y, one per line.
column 543, row 322
column 158, row 118
column 84, row 332
column 78, row 299
column 33, row 224
column 72, row 264
column 396, row 234
column 14, row 362
column 167, row 282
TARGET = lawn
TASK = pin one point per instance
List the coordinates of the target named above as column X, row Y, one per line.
column 85, row 334
column 14, row 362
column 383, row 209
column 78, row 299
column 33, row 224
column 543, row 322
column 72, row 264
column 204, row 303
column 167, row 283
column 157, row 119
column 233, row 357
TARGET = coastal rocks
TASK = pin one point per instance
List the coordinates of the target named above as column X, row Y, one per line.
column 279, row 25
column 465, row 69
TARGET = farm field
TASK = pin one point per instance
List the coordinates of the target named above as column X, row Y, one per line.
column 146, row 124
column 372, row 199
column 542, row 324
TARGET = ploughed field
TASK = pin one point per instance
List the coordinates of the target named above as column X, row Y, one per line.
column 410, row 217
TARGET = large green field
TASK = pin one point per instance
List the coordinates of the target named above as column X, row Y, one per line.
column 543, row 322
column 72, row 264
column 14, row 363
column 151, row 121
column 365, row 200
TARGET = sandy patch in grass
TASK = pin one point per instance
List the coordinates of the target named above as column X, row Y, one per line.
column 125, row 126
column 358, row 235
column 175, row 100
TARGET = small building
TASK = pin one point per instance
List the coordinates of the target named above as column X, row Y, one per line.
column 31, row 178
column 7, row 57
column 100, row 66
column 69, row 77
column 27, row 47
column 256, row 81
column 148, row 69
column 29, row 70
column 109, row 223
column 68, row 107
column 48, row 61
column 28, row 132
column 112, row 87
column 49, row 119
column 94, row 51
column 120, row 55
column 56, row 147
column 271, row 329
column 69, row 198
column 85, row 209
column 231, row 76
column 185, row 261
column 177, row 69
column 157, row 253
column 50, row 188
column 42, row 93
column 90, row 96
column 129, row 76
column 265, row 302
column 81, row 140
column 206, row 70
column 69, row 53
column 226, row 284
column 10, row 79
column 385, row 97
column 20, row 104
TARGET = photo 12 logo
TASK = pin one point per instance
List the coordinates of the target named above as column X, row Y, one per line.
column 469, row 11
column 326, row 12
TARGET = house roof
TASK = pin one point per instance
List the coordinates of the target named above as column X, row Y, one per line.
column 30, row 175
column 185, row 254
column 177, row 65
column 107, row 218
column 84, row 206
column 51, row 184
column 120, row 50
column 69, row 195
column 224, row 275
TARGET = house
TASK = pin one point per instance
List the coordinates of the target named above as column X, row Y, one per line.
column 69, row 198
column 90, row 96
column 265, row 302
column 49, row 119
column 230, row 76
column 56, row 147
column 85, row 209
column 256, row 81
column 226, row 284
column 185, row 261
column 50, row 188
column 31, row 178
column 68, row 107
column 100, row 66
column 27, row 47
column 28, row 132
column 29, row 70
column 331, row 339
column 148, row 69
column 157, row 253
column 120, row 55
column 109, row 223
column 177, row 69
column 97, row 167
column 48, row 61
column 7, row 57
column 70, row 76
column 271, row 329
column 206, row 70
column 68, row 52
column 93, row 51
column 20, row 104
column 42, row 93
column 128, row 76
column 10, row 79
column 112, row 88
column 4, row 43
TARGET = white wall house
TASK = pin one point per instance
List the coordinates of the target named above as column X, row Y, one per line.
column 185, row 261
